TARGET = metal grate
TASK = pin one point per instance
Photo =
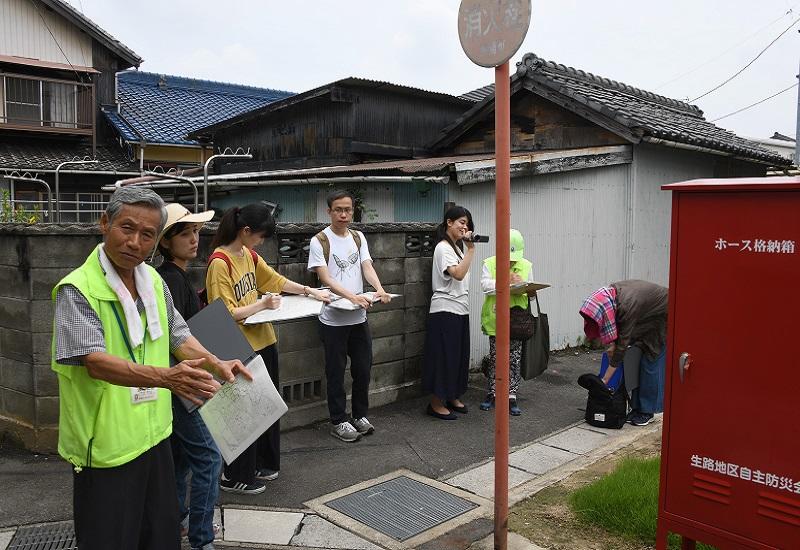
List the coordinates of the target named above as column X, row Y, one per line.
column 401, row 507
column 52, row 536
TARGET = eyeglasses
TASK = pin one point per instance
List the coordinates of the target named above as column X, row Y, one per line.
column 342, row 210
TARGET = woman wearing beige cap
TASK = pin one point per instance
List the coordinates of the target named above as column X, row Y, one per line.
column 192, row 447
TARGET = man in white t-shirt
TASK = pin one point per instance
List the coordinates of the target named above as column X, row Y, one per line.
column 340, row 257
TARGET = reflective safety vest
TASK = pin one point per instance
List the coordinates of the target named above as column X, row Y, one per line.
column 489, row 311
column 99, row 426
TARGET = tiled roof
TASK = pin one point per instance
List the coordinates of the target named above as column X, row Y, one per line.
column 35, row 154
column 643, row 113
column 76, row 17
column 164, row 108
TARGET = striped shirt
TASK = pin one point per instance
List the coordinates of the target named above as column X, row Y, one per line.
column 79, row 332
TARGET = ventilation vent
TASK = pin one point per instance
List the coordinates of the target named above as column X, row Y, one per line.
column 302, row 391
column 711, row 488
column 779, row 507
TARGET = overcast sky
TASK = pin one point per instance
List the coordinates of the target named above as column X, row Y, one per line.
column 302, row 44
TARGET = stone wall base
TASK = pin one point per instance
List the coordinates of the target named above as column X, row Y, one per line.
column 38, row 440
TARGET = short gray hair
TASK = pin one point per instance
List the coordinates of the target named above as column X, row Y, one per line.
column 132, row 194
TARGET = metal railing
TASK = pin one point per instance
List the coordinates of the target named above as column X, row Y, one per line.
column 46, row 104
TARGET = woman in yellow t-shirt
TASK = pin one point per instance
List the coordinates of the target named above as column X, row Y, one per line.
column 247, row 285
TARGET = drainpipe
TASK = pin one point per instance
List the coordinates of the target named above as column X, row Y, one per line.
column 161, row 184
column 145, row 183
column 58, row 168
column 208, row 163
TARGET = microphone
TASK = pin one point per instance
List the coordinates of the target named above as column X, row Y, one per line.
column 475, row 238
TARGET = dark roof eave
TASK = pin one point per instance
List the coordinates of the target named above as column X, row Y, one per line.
column 207, row 132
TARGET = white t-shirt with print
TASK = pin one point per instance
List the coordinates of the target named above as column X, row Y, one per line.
column 449, row 294
column 344, row 265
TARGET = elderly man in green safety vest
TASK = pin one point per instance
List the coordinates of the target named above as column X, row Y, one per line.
column 114, row 329
column 520, row 273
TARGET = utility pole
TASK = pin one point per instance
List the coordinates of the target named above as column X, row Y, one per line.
column 797, row 127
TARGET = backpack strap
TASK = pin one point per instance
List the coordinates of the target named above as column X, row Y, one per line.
column 224, row 257
column 357, row 239
column 220, row 256
column 326, row 246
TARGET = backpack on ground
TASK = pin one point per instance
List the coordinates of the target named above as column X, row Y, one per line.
column 606, row 408
column 203, row 293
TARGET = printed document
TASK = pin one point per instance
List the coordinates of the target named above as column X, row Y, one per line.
column 292, row 307
column 240, row 412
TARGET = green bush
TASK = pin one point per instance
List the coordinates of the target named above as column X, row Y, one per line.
column 18, row 214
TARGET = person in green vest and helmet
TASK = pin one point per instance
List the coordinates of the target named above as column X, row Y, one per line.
column 114, row 329
column 521, row 272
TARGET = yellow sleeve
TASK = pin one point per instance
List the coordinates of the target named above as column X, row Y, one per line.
column 220, row 285
column 267, row 279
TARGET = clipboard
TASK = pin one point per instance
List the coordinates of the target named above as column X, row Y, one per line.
column 523, row 288
column 214, row 327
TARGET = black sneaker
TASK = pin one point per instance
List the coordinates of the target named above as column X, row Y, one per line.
column 641, row 419
column 241, row 488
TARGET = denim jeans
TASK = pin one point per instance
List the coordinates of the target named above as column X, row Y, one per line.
column 648, row 398
column 195, row 451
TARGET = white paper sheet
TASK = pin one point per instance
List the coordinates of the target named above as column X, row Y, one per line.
column 292, row 307
column 240, row 412
column 347, row 305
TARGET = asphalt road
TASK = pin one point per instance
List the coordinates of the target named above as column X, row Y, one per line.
column 38, row 488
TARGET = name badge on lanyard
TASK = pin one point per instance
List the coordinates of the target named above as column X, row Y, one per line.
column 138, row 395
column 143, row 395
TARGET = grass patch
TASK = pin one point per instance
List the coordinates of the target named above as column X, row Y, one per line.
column 625, row 501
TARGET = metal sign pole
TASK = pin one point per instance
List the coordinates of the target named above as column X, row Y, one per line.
column 491, row 31
column 502, row 123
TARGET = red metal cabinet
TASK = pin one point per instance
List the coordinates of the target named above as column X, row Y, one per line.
column 730, row 468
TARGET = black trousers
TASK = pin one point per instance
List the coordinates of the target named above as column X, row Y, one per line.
column 355, row 342
column 266, row 451
column 129, row 507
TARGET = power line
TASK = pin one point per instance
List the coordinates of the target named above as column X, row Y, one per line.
column 740, row 71
column 756, row 103
column 690, row 71
column 36, row 5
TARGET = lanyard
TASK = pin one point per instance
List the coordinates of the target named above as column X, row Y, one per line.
column 125, row 335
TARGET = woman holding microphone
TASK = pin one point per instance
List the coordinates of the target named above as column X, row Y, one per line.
column 445, row 368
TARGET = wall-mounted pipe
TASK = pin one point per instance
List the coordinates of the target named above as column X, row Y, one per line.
column 58, row 169
column 34, row 180
column 208, row 163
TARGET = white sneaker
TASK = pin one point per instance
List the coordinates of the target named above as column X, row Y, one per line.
column 363, row 426
column 346, row 432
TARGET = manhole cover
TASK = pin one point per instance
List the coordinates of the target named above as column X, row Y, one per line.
column 401, row 507
column 52, row 536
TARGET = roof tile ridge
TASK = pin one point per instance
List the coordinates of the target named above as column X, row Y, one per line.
column 180, row 78
column 532, row 63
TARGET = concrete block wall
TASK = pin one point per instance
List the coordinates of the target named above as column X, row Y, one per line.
column 34, row 258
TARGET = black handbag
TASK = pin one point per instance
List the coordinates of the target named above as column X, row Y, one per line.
column 536, row 350
column 521, row 323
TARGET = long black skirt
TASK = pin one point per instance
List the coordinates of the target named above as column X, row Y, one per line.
column 445, row 367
